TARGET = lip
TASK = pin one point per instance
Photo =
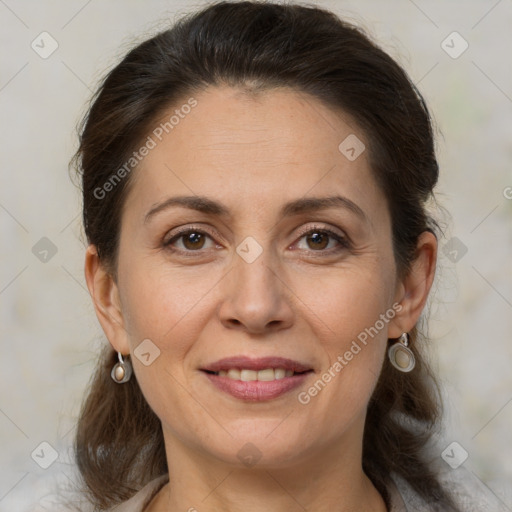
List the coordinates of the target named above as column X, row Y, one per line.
column 256, row 364
column 257, row 391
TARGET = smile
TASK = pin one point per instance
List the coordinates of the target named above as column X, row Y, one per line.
column 247, row 375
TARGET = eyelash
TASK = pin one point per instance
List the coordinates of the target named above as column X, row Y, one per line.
column 342, row 240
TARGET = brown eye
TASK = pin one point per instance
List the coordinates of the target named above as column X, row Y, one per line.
column 193, row 240
column 318, row 240
column 188, row 241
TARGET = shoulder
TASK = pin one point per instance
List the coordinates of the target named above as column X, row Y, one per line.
column 470, row 492
column 139, row 501
column 467, row 490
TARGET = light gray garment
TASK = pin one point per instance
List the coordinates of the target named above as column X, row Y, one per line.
column 468, row 491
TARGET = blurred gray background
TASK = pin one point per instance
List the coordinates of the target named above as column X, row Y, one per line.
column 52, row 56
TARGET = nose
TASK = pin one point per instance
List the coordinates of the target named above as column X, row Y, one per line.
column 255, row 296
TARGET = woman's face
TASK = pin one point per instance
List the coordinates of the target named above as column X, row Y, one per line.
column 247, row 281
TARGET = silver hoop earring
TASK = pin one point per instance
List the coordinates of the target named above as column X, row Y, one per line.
column 122, row 371
column 400, row 355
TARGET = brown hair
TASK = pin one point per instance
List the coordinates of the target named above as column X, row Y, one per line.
column 119, row 445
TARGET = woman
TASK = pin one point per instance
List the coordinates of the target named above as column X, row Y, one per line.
column 254, row 185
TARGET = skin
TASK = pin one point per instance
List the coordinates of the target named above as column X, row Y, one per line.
column 253, row 153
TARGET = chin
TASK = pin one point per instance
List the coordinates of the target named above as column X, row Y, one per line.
column 261, row 443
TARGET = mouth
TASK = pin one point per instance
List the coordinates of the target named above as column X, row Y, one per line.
column 262, row 368
column 247, row 375
column 256, row 379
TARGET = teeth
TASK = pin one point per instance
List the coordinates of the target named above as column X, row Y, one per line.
column 265, row 375
column 234, row 374
column 248, row 375
column 268, row 374
column 279, row 373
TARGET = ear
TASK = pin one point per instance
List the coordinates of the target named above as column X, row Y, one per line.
column 105, row 295
column 412, row 292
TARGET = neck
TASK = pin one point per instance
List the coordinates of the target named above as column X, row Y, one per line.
column 330, row 481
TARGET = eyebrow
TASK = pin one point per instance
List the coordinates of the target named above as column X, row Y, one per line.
column 304, row 205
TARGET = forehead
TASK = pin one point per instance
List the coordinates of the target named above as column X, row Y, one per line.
column 255, row 150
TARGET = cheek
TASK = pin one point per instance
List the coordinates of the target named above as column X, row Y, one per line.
column 351, row 312
column 160, row 301
column 346, row 302
column 170, row 308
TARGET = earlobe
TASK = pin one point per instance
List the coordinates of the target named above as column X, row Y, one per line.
column 105, row 296
column 413, row 291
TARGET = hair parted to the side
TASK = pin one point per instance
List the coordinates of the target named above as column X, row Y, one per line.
column 119, row 445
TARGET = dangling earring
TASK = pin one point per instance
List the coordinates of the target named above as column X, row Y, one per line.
column 400, row 355
column 122, row 371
